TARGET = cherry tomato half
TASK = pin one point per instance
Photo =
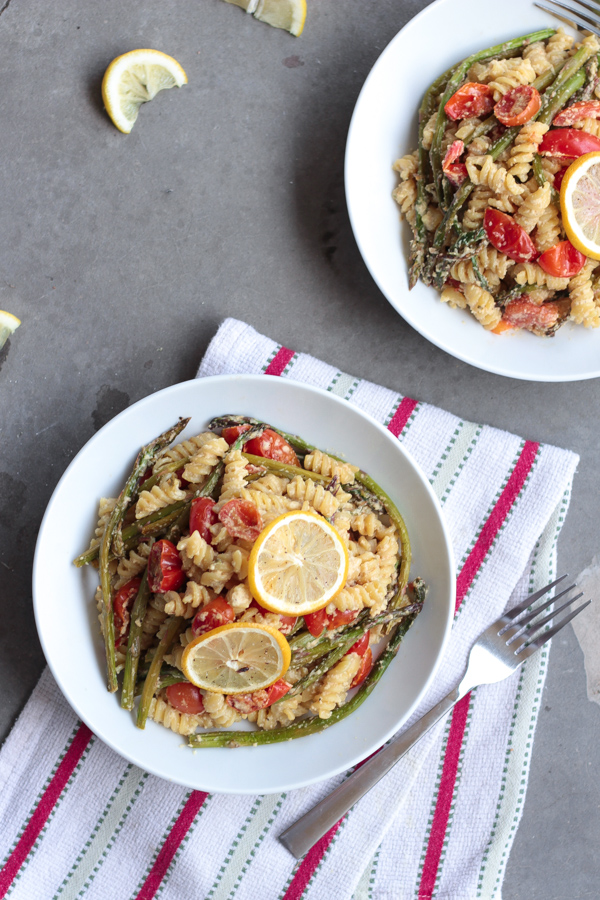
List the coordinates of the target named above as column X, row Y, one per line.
column 165, row 571
column 568, row 143
column 122, row 603
column 340, row 617
column 241, row 518
column 562, row 260
column 247, row 703
column 586, row 109
column 454, row 172
column 522, row 313
column 361, row 646
column 518, row 105
column 217, row 612
column 268, row 444
column 366, row 665
column 316, row 622
column 186, row 698
column 471, row 99
column 506, row 235
column 202, row 517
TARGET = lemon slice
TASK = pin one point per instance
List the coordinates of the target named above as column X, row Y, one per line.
column 8, row 324
column 133, row 79
column 298, row 564
column 236, row 658
column 580, row 204
column 287, row 14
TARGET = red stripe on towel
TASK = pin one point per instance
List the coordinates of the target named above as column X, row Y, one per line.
column 171, row 845
column 401, row 416
column 496, row 520
column 310, row 864
column 464, row 581
column 279, row 361
column 44, row 808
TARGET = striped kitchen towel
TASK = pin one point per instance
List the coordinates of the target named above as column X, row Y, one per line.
column 76, row 820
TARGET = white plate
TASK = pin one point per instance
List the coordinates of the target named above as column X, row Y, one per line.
column 66, row 615
column 384, row 127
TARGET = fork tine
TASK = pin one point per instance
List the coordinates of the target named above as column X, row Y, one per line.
column 579, row 18
column 521, row 607
column 539, row 609
column 532, row 646
column 551, row 615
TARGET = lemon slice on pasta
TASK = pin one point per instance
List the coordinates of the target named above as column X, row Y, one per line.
column 236, row 658
column 580, row 204
column 297, row 564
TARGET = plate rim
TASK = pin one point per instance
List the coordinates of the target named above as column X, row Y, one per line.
column 419, row 326
column 86, row 715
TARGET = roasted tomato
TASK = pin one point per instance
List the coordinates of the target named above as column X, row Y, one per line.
column 186, row 698
column 563, row 260
column 217, row 612
column 122, row 603
column 518, row 105
column 454, row 172
column 241, row 518
column 587, row 109
column 506, row 235
column 361, row 646
column 269, row 444
column 202, row 517
column 366, row 665
column 316, row 622
column 520, row 313
column 568, row 143
column 165, row 571
column 340, row 617
column 247, row 703
column 471, row 99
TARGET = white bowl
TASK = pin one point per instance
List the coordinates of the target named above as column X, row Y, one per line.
column 66, row 615
column 384, row 127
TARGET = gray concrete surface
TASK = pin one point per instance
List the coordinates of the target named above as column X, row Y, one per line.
column 121, row 254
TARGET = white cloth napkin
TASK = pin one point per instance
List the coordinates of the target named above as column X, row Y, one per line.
column 76, row 820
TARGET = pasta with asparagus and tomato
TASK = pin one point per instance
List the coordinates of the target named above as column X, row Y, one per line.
column 497, row 133
column 252, row 585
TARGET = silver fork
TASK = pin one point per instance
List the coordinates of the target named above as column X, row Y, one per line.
column 500, row 650
column 576, row 17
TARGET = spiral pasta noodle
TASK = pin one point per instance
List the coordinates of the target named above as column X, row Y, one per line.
column 318, row 497
column 482, row 305
column 221, row 714
column 524, row 149
column 335, row 685
column 537, row 56
column 533, row 206
column 234, row 478
column 557, row 48
column 483, row 170
column 181, row 723
column 516, row 72
column 204, row 461
column 166, row 492
column 183, row 450
column 548, row 231
column 320, row 462
column 532, row 273
column 583, row 304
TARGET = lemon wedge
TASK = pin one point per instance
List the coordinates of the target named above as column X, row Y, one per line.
column 8, row 324
column 287, row 14
column 580, row 203
column 297, row 564
column 237, row 658
column 133, row 79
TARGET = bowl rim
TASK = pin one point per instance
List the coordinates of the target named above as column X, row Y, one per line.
column 213, row 382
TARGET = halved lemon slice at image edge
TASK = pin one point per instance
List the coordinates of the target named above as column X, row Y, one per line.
column 580, row 204
column 297, row 564
column 287, row 14
column 8, row 325
column 237, row 658
column 133, row 79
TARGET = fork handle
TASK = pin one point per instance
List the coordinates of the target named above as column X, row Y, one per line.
column 304, row 833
